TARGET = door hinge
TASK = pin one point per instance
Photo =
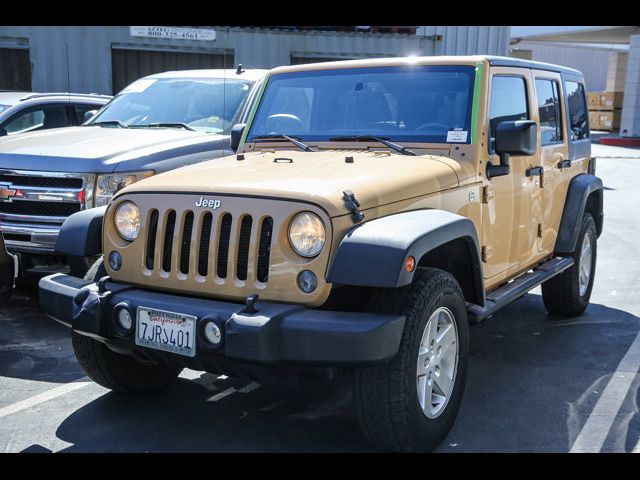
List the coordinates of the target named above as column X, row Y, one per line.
column 486, row 252
column 487, row 194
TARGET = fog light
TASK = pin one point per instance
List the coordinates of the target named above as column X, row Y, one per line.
column 307, row 281
column 124, row 319
column 212, row 333
column 115, row 260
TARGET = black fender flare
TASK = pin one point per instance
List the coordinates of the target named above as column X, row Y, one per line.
column 81, row 233
column 580, row 189
column 373, row 254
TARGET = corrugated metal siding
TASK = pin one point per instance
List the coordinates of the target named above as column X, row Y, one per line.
column 470, row 40
column 592, row 62
column 90, row 62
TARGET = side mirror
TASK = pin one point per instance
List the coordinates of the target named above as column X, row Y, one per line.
column 236, row 134
column 513, row 138
column 89, row 114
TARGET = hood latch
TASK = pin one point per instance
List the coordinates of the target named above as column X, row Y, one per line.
column 351, row 203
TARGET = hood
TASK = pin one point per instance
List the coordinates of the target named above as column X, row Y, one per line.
column 98, row 149
column 376, row 178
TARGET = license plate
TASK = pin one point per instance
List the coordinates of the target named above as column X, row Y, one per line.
column 168, row 331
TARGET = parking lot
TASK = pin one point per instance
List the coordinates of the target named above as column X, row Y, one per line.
column 535, row 384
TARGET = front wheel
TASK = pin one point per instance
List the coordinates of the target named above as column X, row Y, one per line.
column 410, row 403
column 114, row 371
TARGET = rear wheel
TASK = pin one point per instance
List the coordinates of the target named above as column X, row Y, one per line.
column 568, row 294
column 411, row 403
column 114, row 371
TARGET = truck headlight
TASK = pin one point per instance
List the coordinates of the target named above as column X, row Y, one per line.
column 127, row 220
column 307, row 234
column 108, row 185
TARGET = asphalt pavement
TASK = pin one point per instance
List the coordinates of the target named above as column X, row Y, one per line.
column 535, row 383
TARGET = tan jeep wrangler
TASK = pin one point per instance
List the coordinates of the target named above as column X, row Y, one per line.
column 373, row 210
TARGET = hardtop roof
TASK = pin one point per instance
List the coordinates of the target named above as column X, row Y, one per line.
column 427, row 60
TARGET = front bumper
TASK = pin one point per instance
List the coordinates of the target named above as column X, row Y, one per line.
column 30, row 237
column 275, row 334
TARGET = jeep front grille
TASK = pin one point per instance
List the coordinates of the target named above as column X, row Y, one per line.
column 207, row 237
column 230, row 252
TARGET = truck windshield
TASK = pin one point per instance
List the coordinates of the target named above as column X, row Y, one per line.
column 207, row 104
column 412, row 103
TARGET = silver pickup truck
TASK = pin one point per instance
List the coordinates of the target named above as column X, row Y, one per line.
column 158, row 123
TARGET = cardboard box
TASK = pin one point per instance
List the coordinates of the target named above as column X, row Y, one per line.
column 611, row 100
column 604, row 100
column 605, row 120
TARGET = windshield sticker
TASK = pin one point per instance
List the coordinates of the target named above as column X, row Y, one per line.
column 456, row 136
column 139, row 86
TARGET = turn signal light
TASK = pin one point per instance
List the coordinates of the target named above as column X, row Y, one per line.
column 410, row 264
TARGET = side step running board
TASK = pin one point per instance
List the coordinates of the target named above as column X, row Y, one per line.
column 517, row 288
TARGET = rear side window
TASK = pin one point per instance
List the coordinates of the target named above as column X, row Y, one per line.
column 578, row 113
column 508, row 102
column 549, row 111
column 38, row 118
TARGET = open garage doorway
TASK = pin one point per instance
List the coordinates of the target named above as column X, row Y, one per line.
column 129, row 65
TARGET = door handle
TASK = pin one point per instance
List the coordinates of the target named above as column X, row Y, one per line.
column 564, row 163
column 534, row 171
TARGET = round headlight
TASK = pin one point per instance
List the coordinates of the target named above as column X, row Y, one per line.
column 127, row 220
column 307, row 234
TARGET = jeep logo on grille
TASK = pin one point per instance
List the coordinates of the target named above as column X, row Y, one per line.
column 203, row 202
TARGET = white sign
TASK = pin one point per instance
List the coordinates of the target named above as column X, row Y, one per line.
column 176, row 33
column 456, row 136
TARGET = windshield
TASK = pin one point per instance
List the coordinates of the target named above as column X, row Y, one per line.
column 207, row 104
column 401, row 103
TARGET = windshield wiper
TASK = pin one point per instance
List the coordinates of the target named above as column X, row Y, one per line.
column 366, row 138
column 117, row 123
column 272, row 136
column 169, row 125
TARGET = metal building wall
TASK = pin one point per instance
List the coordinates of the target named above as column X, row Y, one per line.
column 470, row 40
column 89, row 48
column 592, row 62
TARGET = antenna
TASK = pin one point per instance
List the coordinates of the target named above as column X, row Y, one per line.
column 224, row 80
column 66, row 48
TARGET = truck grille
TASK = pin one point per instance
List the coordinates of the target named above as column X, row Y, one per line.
column 40, row 208
column 207, row 238
column 44, row 182
column 38, row 204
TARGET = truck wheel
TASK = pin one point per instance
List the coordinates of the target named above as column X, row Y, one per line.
column 568, row 294
column 79, row 266
column 410, row 403
column 117, row 372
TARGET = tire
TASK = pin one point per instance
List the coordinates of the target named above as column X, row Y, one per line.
column 386, row 396
column 80, row 266
column 563, row 295
column 96, row 271
column 114, row 371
